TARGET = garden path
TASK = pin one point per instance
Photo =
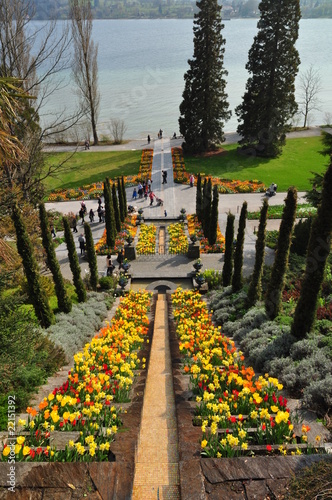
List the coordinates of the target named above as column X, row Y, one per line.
column 157, row 459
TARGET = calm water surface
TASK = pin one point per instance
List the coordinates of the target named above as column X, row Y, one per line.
column 142, row 64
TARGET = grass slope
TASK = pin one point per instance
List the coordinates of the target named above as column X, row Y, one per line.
column 87, row 168
column 293, row 168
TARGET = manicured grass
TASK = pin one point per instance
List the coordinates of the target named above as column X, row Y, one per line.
column 293, row 168
column 87, row 168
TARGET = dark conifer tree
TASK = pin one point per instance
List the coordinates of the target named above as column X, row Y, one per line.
column 116, row 209
column 269, row 100
column 277, row 280
column 199, row 199
column 121, row 201
column 255, row 287
column 36, row 292
column 319, row 248
column 237, row 280
column 204, row 108
column 124, row 196
column 73, row 262
column 109, row 215
column 91, row 254
column 207, row 198
column 214, row 217
column 64, row 302
column 227, row 270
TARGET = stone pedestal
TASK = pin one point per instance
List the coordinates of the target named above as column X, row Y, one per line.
column 129, row 252
column 194, row 250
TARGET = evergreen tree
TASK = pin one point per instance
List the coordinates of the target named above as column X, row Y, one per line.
column 64, row 302
column 116, row 209
column 124, row 196
column 269, row 101
column 204, row 108
column 318, row 251
column 214, row 217
column 91, row 254
column 73, row 262
column 276, row 283
column 207, row 198
column 255, row 287
column 36, row 292
column 121, row 201
column 109, row 215
column 237, row 281
column 199, row 199
column 227, row 270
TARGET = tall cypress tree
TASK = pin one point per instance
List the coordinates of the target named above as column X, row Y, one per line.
column 91, row 254
column 207, row 197
column 319, row 248
column 199, row 200
column 116, row 208
column 214, row 217
column 204, row 108
column 121, row 201
column 64, row 302
column 269, row 100
column 255, row 287
column 36, row 292
column 279, row 268
column 124, row 196
column 237, row 280
column 109, row 215
column 227, row 270
column 73, row 262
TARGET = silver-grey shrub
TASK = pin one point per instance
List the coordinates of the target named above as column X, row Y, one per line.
column 254, row 318
column 318, row 394
column 73, row 330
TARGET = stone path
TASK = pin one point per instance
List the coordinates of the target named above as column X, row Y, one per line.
column 157, row 460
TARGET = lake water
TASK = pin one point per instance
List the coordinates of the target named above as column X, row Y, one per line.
column 142, row 64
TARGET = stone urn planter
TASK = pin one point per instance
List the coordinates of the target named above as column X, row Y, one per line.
column 129, row 239
column 200, row 280
column 193, row 238
column 123, row 280
column 198, row 265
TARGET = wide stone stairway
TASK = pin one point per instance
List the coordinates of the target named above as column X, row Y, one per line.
column 156, row 466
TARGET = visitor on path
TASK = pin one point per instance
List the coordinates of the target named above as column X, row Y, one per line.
column 151, row 196
column 149, row 185
column 74, row 224
column 109, row 265
column 91, row 215
column 83, row 206
column 160, row 134
column 87, row 145
column 81, row 214
column 99, row 211
column 120, row 258
column 164, row 175
column 134, row 194
column 140, row 190
column 191, row 180
column 174, row 135
column 81, row 241
column 99, row 201
column 53, row 232
column 149, row 139
column 165, row 213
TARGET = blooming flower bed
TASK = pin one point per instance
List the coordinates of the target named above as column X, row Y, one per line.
column 128, row 228
column 235, row 409
column 93, row 191
column 178, row 241
column 195, row 227
column 103, row 375
column 146, row 244
column 224, row 185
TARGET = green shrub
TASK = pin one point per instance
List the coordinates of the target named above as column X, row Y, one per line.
column 107, row 282
column 301, row 236
column 271, row 239
column 213, row 278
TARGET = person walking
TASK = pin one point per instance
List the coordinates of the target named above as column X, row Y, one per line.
column 109, row 265
column 120, row 258
column 191, row 180
column 81, row 241
column 151, row 196
column 81, row 214
column 74, row 224
column 149, row 139
column 91, row 215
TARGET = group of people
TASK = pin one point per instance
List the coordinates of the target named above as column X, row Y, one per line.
column 83, row 212
column 143, row 189
column 109, row 264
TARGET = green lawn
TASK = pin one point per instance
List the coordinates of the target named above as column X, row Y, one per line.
column 87, row 168
column 293, row 167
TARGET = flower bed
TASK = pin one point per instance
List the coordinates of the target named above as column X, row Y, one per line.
column 178, row 241
column 146, row 244
column 95, row 190
column 128, row 228
column 224, row 185
column 275, row 212
column 103, row 375
column 195, row 227
column 238, row 412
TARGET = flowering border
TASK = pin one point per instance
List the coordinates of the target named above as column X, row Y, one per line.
column 195, row 227
column 146, row 244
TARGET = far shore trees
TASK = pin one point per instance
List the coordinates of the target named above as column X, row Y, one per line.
column 204, row 108
column 85, row 67
column 269, row 101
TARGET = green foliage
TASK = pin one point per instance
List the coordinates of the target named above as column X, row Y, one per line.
column 124, row 197
column 116, row 208
column 317, row 254
column 312, row 482
column 73, row 262
column 276, row 285
column 271, row 239
column 269, row 101
column 237, row 280
column 108, row 282
column 204, row 107
column 121, row 201
column 91, row 255
column 227, row 270
column 64, row 302
column 36, row 293
column 213, row 278
column 109, row 215
column 199, row 199
column 275, row 212
column 301, row 236
column 255, row 287
column 213, row 223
